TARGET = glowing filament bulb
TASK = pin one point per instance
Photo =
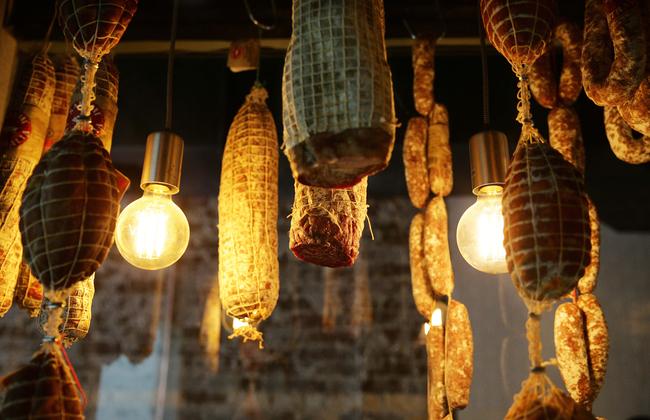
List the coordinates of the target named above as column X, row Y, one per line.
column 480, row 232
column 152, row 232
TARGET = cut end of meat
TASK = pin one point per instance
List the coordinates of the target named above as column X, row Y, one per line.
column 325, row 254
column 340, row 160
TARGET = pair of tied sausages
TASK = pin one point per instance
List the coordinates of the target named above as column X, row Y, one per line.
column 427, row 156
column 582, row 347
column 450, row 351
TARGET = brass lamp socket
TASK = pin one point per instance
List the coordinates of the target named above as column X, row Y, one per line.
column 489, row 159
column 163, row 160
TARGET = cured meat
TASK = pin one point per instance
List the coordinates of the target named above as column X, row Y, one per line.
column 415, row 161
column 67, row 76
column 613, row 52
column 587, row 283
column 423, row 74
column 337, row 98
column 436, row 248
column 597, row 340
column 21, row 143
column 543, row 83
column 326, row 224
column 422, row 293
column 626, row 145
column 571, row 352
column 43, row 389
column 566, row 135
column 248, row 214
column 519, row 29
column 69, row 210
column 459, row 365
column 441, row 176
column 436, row 397
column 570, row 36
column 546, row 223
column 94, row 27
column 29, row 292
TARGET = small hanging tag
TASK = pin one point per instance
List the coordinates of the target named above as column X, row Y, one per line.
column 244, row 55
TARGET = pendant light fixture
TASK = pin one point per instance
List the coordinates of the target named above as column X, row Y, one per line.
column 480, row 230
column 152, row 232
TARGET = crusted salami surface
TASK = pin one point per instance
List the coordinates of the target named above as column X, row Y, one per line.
column 326, row 224
column 570, row 36
column 565, row 135
column 613, row 51
column 441, row 176
column 626, row 145
column 436, row 248
column 588, row 282
column 337, row 107
column 436, row 398
column 459, row 367
column 415, row 161
column 597, row 339
column 571, row 352
column 546, row 223
column 423, row 74
column 543, row 83
column 422, row 293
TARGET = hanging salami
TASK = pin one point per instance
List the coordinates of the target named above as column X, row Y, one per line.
column 415, row 161
column 248, row 217
column 338, row 112
column 21, row 143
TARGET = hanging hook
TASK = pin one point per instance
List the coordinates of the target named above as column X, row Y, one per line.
column 438, row 31
column 259, row 24
column 408, row 28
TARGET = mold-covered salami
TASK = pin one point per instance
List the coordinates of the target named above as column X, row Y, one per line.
column 459, row 365
column 565, row 135
column 597, row 339
column 626, row 145
column 612, row 29
column 441, row 176
column 422, row 293
column 415, row 161
column 587, row 283
column 423, row 74
column 571, row 352
column 436, row 248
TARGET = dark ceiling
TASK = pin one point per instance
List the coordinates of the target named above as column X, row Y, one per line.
column 222, row 19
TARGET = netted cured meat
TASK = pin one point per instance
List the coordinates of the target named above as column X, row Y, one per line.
column 546, row 223
column 45, row 388
column 519, row 29
column 69, row 210
column 337, row 98
column 248, row 213
column 326, row 224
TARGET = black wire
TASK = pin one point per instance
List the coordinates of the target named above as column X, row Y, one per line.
column 170, row 66
column 484, row 71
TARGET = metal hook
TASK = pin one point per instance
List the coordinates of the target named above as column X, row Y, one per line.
column 440, row 24
column 408, row 28
column 259, row 24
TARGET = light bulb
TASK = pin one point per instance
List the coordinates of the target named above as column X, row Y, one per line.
column 480, row 232
column 152, row 232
